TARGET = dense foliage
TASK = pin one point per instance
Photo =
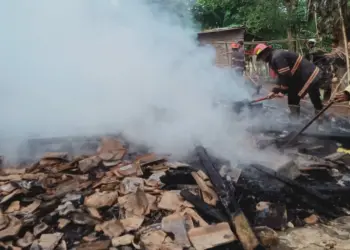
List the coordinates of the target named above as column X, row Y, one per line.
column 274, row 19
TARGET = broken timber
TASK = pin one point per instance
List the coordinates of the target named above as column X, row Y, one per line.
column 225, row 192
column 315, row 199
column 203, row 207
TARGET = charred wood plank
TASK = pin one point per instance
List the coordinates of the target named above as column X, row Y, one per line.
column 341, row 137
column 294, row 135
column 226, row 193
column 334, row 157
column 318, row 201
column 203, row 207
column 290, row 182
column 177, row 177
column 334, row 190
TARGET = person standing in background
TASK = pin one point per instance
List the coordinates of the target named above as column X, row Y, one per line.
column 311, row 48
column 237, row 61
column 241, row 46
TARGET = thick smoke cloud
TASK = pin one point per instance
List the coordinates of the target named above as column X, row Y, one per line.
column 90, row 67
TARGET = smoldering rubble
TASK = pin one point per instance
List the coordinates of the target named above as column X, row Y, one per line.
column 101, row 69
column 126, row 197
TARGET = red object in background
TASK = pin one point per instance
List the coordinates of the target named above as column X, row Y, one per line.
column 235, row 46
column 249, row 52
column 273, row 74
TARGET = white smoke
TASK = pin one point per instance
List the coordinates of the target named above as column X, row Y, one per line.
column 84, row 67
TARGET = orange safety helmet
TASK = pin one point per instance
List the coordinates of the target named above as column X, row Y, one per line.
column 235, row 46
column 260, row 48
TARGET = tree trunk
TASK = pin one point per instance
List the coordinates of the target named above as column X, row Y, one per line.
column 344, row 9
column 345, row 39
column 290, row 39
column 316, row 25
column 291, row 5
column 340, row 23
column 328, row 18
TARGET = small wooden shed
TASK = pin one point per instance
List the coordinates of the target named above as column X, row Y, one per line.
column 221, row 39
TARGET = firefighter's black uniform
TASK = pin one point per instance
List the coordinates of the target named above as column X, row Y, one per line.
column 296, row 77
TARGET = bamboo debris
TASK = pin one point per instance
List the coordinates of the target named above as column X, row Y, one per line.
column 345, row 41
column 335, row 91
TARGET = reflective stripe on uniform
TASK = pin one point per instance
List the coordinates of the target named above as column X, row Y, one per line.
column 296, row 64
column 283, row 70
column 309, row 81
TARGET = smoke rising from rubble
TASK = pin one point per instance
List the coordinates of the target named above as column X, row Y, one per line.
column 91, row 67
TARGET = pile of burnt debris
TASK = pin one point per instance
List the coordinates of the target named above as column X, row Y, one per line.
column 118, row 199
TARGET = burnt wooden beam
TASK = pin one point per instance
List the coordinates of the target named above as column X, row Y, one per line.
column 315, row 199
column 202, row 207
column 226, row 194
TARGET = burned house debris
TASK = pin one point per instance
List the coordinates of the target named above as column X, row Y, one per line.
column 75, row 67
column 122, row 198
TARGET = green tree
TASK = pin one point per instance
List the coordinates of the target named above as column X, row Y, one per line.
column 270, row 19
column 327, row 16
column 216, row 13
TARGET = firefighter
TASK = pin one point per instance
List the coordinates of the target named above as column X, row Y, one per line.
column 241, row 46
column 296, row 77
column 237, row 58
column 343, row 96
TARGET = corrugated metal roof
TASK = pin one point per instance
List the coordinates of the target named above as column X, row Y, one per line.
column 221, row 30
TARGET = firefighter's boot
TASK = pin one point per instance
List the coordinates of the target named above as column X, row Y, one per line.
column 323, row 122
column 294, row 113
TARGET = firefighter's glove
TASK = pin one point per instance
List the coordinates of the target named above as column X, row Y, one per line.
column 275, row 93
column 271, row 95
column 342, row 97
